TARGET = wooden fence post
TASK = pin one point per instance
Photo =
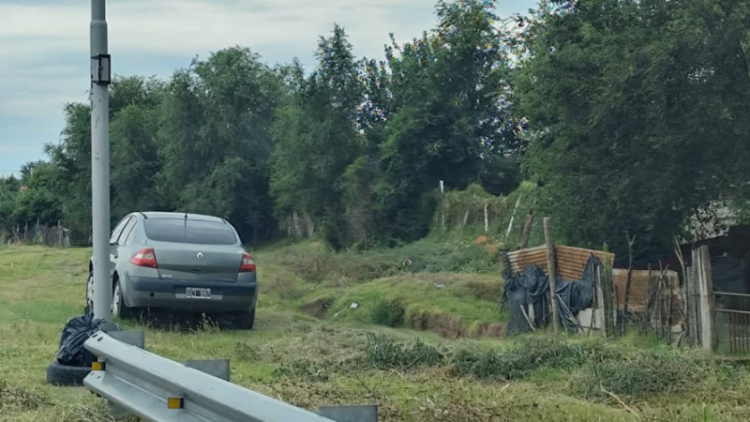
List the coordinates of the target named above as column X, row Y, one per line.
column 702, row 265
column 691, row 287
column 624, row 322
column 552, row 274
column 526, row 231
column 443, row 205
column 513, row 216
column 609, row 300
column 486, row 217
column 597, row 314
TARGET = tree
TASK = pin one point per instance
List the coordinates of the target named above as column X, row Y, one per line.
column 9, row 188
column 38, row 202
column 638, row 107
column 215, row 139
column 135, row 161
column 133, row 154
column 315, row 139
column 448, row 87
column 71, row 158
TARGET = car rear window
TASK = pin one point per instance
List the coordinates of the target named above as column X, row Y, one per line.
column 199, row 232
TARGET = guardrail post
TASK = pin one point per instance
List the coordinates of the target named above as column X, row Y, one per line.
column 217, row 367
column 359, row 413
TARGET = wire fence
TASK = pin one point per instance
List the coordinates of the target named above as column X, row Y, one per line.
column 38, row 234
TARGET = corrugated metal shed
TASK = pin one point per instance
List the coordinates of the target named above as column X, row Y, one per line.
column 639, row 289
column 570, row 262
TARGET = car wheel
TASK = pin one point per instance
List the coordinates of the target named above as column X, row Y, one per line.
column 90, row 291
column 119, row 308
column 244, row 320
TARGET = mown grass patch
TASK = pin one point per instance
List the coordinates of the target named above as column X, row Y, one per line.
column 413, row 376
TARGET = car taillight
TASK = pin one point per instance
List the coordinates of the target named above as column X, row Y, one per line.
column 144, row 258
column 248, row 264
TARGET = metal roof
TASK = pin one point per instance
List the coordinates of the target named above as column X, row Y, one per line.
column 639, row 286
column 570, row 262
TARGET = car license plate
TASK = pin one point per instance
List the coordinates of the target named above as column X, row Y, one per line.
column 196, row 293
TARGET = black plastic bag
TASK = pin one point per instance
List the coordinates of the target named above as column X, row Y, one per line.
column 77, row 330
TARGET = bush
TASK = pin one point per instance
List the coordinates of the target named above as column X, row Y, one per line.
column 389, row 313
column 384, row 353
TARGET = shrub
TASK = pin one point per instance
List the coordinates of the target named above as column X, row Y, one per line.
column 389, row 313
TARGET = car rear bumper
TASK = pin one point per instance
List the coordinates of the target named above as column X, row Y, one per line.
column 146, row 292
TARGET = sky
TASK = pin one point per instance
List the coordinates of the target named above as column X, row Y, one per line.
column 44, row 47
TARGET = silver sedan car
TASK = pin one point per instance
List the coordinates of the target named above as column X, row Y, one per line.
column 180, row 262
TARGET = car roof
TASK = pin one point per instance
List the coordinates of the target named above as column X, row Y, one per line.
column 181, row 215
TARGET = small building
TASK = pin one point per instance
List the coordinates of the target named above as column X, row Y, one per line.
column 728, row 258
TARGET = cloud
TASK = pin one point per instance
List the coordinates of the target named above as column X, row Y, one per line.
column 44, row 44
column 188, row 27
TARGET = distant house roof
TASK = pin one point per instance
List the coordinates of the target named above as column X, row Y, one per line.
column 730, row 259
column 711, row 221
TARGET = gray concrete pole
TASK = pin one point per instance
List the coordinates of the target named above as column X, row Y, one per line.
column 100, row 78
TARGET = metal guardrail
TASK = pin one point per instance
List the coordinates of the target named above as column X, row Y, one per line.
column 157, row 389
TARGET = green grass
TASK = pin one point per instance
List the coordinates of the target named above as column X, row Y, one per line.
column 434, row 294
column 412, row 375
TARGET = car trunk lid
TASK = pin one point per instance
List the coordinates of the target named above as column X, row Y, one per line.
column 197, row 262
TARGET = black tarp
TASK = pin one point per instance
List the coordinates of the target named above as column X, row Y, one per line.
column 532, row 289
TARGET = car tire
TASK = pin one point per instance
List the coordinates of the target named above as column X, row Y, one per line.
column 65, row 375
column 119, row 308
column 244, row 320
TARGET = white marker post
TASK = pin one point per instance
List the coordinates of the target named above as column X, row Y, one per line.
column 100, row 79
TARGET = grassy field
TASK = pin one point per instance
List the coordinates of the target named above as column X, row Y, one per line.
column 311, row 348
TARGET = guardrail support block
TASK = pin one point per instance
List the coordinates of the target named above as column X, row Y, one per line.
column 361, row 413
column 216, row 367
column 133, row 338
